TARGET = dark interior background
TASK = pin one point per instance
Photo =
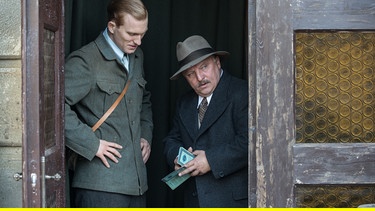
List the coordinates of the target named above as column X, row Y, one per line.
column 222, row 22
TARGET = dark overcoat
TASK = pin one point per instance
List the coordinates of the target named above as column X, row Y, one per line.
column 223, row 136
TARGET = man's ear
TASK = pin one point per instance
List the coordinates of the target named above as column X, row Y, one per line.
column 217, row 61
column 111, row 26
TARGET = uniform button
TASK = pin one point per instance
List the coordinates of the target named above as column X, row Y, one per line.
column 194, row 194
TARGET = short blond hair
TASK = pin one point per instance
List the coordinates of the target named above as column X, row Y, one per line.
column 117, row 8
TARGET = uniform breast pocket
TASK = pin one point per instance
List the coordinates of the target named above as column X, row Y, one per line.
column 110, row 91
column 141, row 82
column 141, row 88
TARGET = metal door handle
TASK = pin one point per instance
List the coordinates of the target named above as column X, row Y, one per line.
column 56, row 177
column 17, row 176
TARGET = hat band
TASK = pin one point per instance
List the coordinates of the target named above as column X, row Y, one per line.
column 195, row 55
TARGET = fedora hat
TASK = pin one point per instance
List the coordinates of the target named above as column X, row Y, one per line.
column 192, row 51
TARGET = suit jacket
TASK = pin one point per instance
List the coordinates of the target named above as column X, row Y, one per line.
column 94, row 78
column 223, row 135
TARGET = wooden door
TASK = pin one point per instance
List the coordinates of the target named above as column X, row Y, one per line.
column 43, row 100
column 315, row 103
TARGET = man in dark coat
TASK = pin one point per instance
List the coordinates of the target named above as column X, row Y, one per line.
column 219, row 171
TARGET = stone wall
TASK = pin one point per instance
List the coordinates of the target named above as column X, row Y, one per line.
column 10, row 103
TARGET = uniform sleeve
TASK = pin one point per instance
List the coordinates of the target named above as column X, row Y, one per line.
column 78, row 82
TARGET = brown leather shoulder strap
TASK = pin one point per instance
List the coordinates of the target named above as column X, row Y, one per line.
column 112, row 108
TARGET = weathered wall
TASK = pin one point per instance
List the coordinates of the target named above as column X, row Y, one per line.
column 10, row 103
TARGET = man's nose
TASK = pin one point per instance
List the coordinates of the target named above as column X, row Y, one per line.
column 199, row 75
column 138, row 40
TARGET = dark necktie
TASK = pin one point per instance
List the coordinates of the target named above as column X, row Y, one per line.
column 202, row 109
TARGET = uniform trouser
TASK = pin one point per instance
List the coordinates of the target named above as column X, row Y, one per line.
column 92, row 198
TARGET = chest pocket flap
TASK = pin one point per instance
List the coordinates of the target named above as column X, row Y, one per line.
column 109, row 87
column 141, row 82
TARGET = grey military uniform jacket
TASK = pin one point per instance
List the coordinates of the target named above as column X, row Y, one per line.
column 94, row 78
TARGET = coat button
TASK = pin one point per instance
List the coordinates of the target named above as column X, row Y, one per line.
column 221, row 174
column 194, row 194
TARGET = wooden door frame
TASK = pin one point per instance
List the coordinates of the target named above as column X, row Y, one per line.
column 273, row 103
column 251, row 66
column 30, row 106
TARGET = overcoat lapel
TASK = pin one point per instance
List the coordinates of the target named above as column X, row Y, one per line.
column 189, row 115
column 217, row 106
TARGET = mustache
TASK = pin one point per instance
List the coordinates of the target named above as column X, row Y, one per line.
column 204, row 82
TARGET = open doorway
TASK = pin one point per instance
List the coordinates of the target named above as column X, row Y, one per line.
column 222, row 22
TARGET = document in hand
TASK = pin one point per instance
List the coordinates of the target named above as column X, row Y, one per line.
column 172, row 179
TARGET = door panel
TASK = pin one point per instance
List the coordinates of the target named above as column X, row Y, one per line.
column 314, row 127
column 316, row 164
column 334, row 103
column 333, row 14
column 334, row 112
column 43, row 142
